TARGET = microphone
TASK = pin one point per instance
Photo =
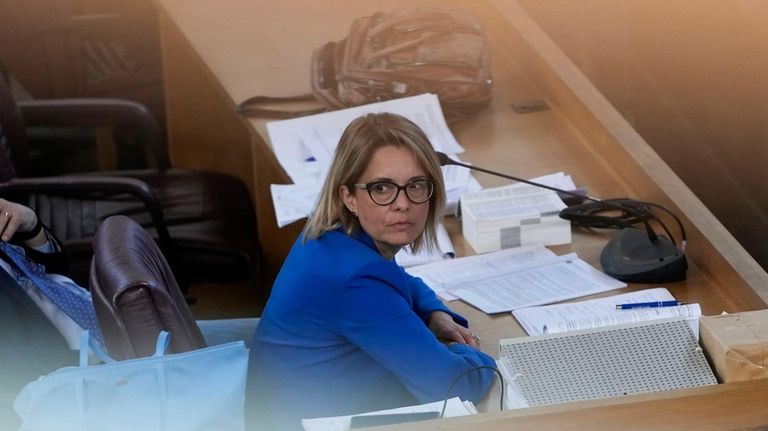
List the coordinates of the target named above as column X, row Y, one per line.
column 632, row 255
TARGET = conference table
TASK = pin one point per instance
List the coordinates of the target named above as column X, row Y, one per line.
column 217, row 54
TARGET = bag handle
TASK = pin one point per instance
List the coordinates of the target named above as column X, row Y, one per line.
column 88, row 343
column 250, row 107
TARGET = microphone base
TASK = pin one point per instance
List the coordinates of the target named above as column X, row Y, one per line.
column 630, row 256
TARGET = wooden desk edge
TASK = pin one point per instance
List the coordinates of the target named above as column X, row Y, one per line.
column 702, row 408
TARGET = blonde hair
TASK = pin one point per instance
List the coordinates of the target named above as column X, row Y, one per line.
column 362, row 137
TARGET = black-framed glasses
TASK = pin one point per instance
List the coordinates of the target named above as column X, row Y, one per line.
column 384, row 192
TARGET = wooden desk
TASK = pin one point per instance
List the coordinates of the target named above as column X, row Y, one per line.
column 218, row 54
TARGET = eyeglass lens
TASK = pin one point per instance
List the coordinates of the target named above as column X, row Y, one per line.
column 385, row 192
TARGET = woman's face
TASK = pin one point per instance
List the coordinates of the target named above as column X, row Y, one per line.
column 399, row 223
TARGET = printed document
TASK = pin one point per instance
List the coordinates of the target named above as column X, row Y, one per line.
column 559, row 279
column 439, row 275
column 600, row 312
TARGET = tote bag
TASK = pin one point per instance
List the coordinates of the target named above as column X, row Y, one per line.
column 202, row 389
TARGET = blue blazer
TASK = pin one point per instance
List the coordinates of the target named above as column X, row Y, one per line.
column 345, row 331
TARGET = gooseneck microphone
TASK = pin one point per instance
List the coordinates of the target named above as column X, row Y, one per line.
column 632, row 255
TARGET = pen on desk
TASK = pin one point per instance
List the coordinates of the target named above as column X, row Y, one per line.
column 653, row 304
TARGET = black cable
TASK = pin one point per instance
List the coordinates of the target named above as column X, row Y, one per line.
column 588, row 215
column 464, row 374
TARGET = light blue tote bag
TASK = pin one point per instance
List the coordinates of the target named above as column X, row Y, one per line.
column 202, row 389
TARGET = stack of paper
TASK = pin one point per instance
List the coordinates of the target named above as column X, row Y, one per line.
column 455, row 407
column 511, row 216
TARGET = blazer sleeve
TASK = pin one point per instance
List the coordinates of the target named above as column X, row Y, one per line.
column 425, row 301
column 376, row 314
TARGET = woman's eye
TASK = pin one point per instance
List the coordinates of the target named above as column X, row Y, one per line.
column 416, row 185
column 381, row 188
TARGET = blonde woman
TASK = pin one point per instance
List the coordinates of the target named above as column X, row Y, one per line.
column 347, row 330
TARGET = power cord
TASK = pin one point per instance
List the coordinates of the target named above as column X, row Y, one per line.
column 464, row 374
column 630, row 212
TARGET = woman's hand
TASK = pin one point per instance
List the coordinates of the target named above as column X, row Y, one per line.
column 443, row 326
column 18, row 218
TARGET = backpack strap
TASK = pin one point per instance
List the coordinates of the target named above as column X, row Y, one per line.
column 251, row 107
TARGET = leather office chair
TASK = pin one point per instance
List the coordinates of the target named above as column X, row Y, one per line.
column 84, row 48
column 204, row 221
column 135, row 294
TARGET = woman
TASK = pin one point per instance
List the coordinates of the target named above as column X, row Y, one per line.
column 346, row 330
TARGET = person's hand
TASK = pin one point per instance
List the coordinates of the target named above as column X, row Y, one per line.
column 15, row 218
column 443, row 326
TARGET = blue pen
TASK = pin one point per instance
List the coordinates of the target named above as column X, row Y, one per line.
column 653, row 304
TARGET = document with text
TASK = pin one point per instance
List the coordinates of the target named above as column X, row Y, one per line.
column 565, row 277
column 601, row 312
column 440, row 275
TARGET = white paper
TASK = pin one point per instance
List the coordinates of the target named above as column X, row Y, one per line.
column 565, row 278
column 304, row 146
column 293, row 202
column 406, row 258
column 455, row 407
column 438, row 275
column 601, row 312
column 691, row 312
column 506, row 203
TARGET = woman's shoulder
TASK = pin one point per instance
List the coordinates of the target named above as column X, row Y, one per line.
column 340, row 244
column 350, row 254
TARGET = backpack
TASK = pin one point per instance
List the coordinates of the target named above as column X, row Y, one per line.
column 393, row 55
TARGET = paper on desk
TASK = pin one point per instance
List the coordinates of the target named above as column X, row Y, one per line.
column 455, row 407
column 558, row 180
column 601, row 312
column 293, row 202
column 691, row 312
column 304, row 146
column 438, row 275
column 458, row 180
column 562, row 278
column 406, row 258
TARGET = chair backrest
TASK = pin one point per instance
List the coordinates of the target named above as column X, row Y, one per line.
column 12, row 134
column 135, row 293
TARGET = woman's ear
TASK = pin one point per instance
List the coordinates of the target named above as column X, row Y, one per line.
column 350, row 200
